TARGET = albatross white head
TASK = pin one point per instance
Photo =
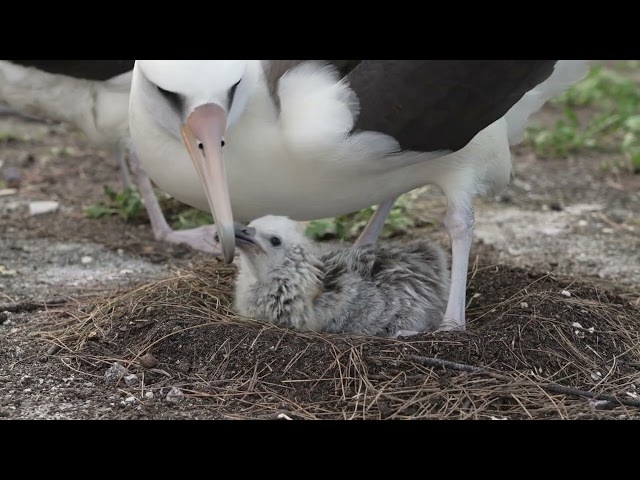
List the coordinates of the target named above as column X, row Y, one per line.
column 199, row 100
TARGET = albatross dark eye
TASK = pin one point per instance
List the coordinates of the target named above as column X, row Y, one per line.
column 201, row 145
column 275, row 241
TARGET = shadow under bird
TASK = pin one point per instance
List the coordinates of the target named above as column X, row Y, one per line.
column 315, row 139
column 286, row 279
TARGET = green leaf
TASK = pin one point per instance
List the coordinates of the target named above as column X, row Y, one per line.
column 633, row 123
column 98, row 211
column 191, row 218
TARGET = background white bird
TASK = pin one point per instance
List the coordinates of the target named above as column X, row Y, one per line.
column 91, row 95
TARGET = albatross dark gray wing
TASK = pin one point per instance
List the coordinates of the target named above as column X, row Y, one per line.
column 86, row 69
column 429, row 105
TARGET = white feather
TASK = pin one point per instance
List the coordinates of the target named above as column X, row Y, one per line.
column 565, row 74
column 316, row 107
column 304, row 153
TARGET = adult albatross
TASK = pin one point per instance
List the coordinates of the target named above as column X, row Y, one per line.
column 313, row 139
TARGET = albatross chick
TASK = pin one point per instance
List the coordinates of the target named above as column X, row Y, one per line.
column 286, row 279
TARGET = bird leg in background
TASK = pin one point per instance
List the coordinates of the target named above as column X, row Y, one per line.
column 459, row 224
column 10, row 112
column 376, row 223
column 122, row 163
column 201, row 238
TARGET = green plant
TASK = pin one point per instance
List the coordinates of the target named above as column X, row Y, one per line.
column 190, row 218
column 615, row 125
column 12, row 137
column 126, row 204
column 349, row 227
column 602, row 87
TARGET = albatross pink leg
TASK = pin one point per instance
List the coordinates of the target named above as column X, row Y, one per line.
column 459, row 224
column 122, row 163
column 201, row 238
column 376, row 224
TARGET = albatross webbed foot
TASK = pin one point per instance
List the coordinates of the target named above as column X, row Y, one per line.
column 406, row 333
column 449, row 325
column 201, row 238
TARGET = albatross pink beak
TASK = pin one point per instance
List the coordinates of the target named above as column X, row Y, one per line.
column 203, row 135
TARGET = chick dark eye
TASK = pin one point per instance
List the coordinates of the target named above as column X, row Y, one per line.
column 222, row 143
column 275, row 241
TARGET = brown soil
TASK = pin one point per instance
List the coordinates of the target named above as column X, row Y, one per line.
column 521, row 325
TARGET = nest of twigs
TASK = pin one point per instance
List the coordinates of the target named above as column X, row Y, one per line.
column 531, row 351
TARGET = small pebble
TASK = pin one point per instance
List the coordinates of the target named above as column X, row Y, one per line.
column 42, row 207
column 86, row 260
column 7, row 192
column 148, row 361
column 175, row 395
column 524, row 305
column 53, row 349
column 583, row 223
column 115, row 373
column 126, row 271
column 183, row 365
column 603, row 404
column 131, row 380
column 566, row 293
column 130, row 400
column 6, row 272
column 26, row 160
column 12, row 177
column 148, row 395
